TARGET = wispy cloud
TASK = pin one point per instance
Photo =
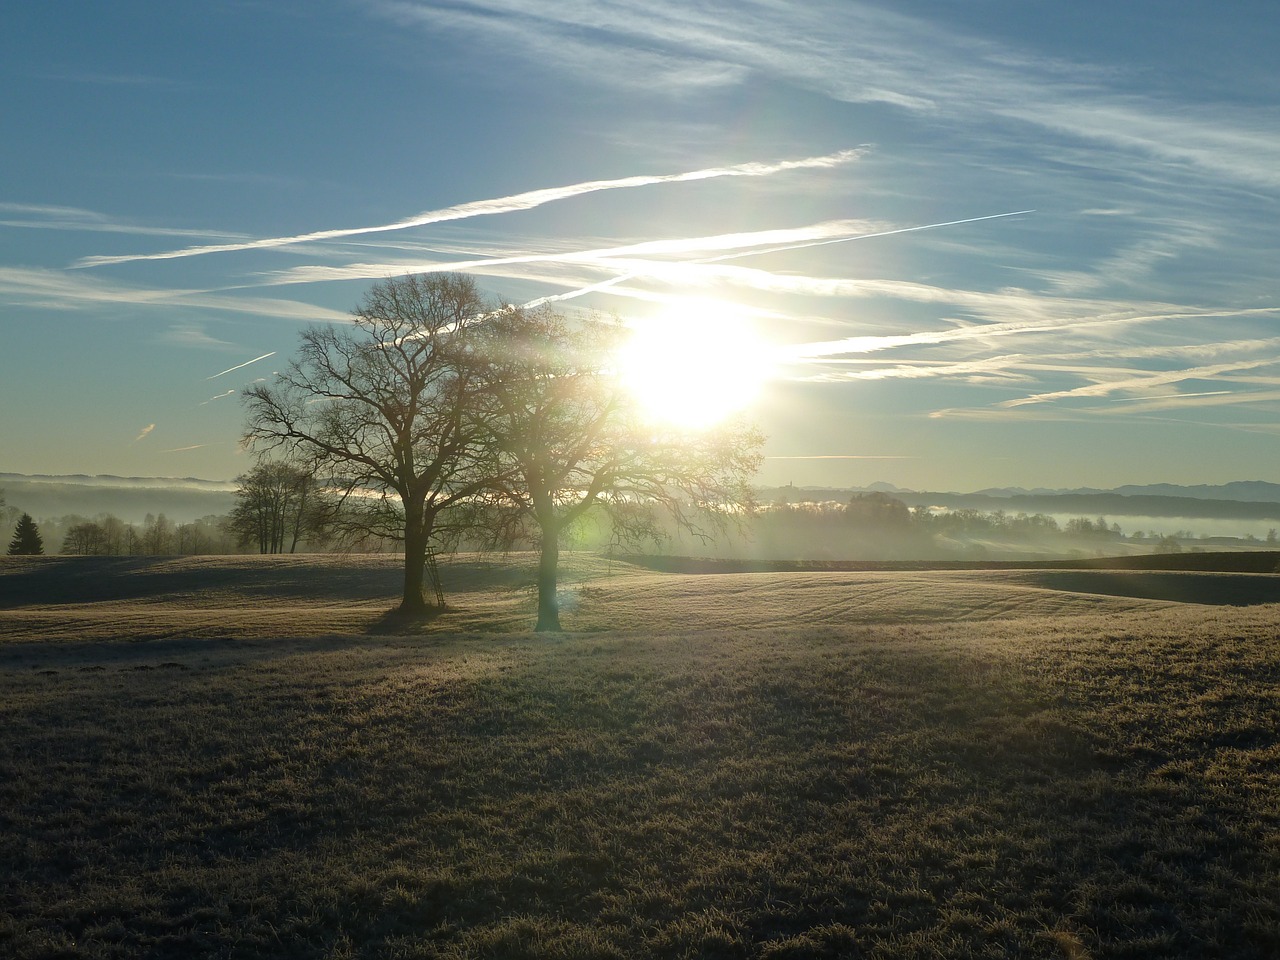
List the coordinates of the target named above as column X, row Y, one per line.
column 1201, row 400
column 60, row 290
column 144, row 432
column 509, row 204
column 869, row 344
column 1143, row 382
column 862, row 52
column 49, row 217
column 191, row 335
column 1172, row 396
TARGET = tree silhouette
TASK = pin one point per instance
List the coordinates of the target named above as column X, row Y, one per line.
column 383, row 410
column 26, row 540
column 277, row 505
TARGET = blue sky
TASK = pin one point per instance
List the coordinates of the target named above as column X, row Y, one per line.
column 184, row 187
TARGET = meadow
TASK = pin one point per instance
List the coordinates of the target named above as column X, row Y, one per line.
column 250, row 757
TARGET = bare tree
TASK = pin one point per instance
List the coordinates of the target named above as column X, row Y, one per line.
column 382, row 410
column 278, row 504
column 85, row 539
column 157, row 535
column 571, row 439
column 112, row 530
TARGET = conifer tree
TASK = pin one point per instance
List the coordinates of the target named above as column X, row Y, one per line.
column 26, row 540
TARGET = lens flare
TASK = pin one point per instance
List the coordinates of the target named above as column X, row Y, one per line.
column 695, row 365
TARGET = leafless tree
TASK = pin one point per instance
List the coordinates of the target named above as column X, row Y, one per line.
column 278, row 504
column 85, row 539
column 382, row 410
column 571, row 439
column 157, row 535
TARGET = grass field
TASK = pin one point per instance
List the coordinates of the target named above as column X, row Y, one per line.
column 248, row 757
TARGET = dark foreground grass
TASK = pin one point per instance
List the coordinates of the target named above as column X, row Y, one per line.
column 1095, row 786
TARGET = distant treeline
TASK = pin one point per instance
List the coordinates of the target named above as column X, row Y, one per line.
column 108, row 536
column 868, row 526
column 877, row 526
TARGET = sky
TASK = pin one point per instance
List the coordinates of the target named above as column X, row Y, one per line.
column 987, row 242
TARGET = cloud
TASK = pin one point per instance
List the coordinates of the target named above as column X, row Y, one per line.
column 509, row 204
column 48, row 217
column 541, row 39
column 868, row 344
column 60, row 290
column 1182, row 401
column 859, row 52
column 1145, row 381
column 1172, row 396
column 144, row 432
column 194, row 446
column 191, row 335
column 1004, row 368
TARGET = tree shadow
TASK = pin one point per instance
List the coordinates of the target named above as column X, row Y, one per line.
column 398, row 622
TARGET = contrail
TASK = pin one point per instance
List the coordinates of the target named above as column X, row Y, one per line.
column 239, row 365
column 862, row 236
column 480, row 208
column 868, row 344
column 1171, row 396
column 623, row 278
column 143, row 433
column 218, row 397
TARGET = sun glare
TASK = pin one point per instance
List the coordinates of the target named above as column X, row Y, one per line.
column 695, row 365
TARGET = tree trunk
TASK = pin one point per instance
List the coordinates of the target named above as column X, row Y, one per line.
column 548, row 564
column 415, row 558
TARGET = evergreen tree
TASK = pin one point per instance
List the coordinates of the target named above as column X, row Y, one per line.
column 26, row 540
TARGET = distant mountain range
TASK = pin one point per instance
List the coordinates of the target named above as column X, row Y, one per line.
column 1253, row 491
column 183, row 499
column 1241, row 500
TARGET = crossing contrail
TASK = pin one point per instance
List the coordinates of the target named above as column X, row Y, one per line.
column 740, row 255
column 480, row 208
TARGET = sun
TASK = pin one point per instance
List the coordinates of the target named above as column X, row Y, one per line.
column 695, row 364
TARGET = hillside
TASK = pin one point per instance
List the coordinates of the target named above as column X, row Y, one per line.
column 255, row 596
column 247, row 757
